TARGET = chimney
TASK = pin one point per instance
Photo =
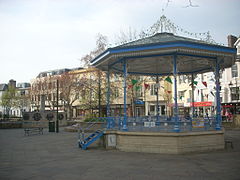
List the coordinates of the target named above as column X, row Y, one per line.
column 231, row 40
column 12, row 83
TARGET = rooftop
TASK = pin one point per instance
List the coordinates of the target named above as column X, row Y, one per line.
column 3, row 87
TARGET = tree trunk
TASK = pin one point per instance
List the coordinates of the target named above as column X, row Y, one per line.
column 69, row 112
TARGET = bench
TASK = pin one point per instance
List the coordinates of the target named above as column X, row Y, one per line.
column 228, row 141
column 37, row 130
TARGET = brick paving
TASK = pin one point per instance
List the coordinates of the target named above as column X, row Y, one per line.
column 56, row 156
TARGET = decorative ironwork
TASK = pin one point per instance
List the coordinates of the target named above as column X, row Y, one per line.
column 37, row 117
column 50, row 116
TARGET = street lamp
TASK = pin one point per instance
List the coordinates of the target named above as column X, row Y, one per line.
column 57, row 123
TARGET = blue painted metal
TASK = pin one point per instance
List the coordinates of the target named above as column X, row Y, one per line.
column 158, row 85
column 140, row 102
column 154, row 124
column 159, row 55
column 108, row 93
column 218, row 101
column 90, row 139
column 176, row 44
column 125, row 95
column 111, row 122
column 192, row 85
column 176, row 126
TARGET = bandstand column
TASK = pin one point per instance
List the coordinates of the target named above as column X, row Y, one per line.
column 125, row 95
column 157, row 86
column 176, row 119
column 108, row 93
column 217, row 96
column 192, row 85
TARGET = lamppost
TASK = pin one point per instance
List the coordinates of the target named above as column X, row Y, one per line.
column 57, row 123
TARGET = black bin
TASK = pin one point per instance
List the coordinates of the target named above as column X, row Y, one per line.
column 51, row 126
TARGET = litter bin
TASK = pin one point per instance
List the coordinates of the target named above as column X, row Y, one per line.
column 51, row 126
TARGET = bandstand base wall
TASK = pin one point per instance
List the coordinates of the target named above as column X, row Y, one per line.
column 165, row 143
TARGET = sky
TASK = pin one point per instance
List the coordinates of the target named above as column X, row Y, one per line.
column 42, row 35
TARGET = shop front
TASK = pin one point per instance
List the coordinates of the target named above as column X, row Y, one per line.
column 229, row 110
column 203, row 109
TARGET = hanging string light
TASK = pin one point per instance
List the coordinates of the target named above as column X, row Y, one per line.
column 163, row 24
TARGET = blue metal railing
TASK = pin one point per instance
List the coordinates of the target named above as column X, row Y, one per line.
column 161, row 123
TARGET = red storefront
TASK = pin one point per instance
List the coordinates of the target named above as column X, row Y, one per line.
column 204, row 108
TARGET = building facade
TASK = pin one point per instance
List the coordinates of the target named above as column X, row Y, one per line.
column 230, row 83
column 20, row 102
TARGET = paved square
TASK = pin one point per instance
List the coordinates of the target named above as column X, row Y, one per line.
column 56, row 156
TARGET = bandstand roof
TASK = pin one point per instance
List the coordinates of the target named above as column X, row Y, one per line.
column 154, row 56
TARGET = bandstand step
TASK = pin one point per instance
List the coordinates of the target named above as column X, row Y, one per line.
column 90, row 139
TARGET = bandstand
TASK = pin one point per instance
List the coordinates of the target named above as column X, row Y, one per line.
column 164, row 54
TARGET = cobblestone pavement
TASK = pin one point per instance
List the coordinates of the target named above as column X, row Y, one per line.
column 56, row 156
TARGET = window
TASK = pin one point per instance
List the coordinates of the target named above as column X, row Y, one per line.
column 182, row 79
column 234, row 70
column 49, row 97
column 116, row 93
column 139, row 92
column 152, row 109
column 234, row 93
column 152, row 90
column 190, row 94
column 162, row 110
column 181, row 94
column 220, row 73
column 189, row 78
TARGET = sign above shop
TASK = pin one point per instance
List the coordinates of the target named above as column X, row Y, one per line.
column 201, row 104
column 140, row 102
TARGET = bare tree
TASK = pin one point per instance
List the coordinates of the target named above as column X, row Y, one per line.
column 101, row 45
column 190, row 4
column 70, row 86
column 93, row 94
